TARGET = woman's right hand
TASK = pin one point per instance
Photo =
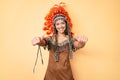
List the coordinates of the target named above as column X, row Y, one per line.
column 36, row 41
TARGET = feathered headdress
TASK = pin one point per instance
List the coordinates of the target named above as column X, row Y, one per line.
column 55, row 11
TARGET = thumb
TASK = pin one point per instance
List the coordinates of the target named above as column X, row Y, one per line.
column 43, row 36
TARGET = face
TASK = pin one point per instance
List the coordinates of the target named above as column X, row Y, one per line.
column 60, row 26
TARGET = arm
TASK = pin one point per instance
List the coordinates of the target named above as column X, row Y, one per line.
column 80, row 41
column 41, row 41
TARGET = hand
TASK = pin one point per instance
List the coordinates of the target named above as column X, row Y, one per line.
column 82, row 39
column 36, row 41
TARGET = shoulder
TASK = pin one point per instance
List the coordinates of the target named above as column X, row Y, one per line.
column 49, row 38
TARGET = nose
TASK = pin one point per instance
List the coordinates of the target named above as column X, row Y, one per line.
column 61, row 25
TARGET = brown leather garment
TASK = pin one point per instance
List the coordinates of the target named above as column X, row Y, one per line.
column 60, row 70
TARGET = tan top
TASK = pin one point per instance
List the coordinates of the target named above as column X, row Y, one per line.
column 60, row 70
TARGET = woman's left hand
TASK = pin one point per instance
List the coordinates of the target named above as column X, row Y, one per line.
column 81, row 39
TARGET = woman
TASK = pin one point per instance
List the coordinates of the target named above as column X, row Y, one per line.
column 60, row 45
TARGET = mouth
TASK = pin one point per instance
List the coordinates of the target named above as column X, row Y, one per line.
column 61, row 29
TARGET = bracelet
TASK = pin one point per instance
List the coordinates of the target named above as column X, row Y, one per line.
column 45, row 41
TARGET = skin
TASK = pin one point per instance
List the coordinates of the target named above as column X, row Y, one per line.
column 60, row 27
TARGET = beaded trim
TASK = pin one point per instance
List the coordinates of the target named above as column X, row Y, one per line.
column 59, row 44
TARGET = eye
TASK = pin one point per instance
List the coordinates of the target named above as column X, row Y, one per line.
column 63, row 23
column 57, row 24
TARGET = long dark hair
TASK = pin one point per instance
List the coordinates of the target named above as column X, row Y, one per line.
column 66, row 32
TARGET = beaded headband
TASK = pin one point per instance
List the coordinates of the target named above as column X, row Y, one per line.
column 58, row 18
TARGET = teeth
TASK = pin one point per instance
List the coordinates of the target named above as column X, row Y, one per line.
column 61, row 29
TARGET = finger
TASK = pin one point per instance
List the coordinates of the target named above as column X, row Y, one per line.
column 85, row 39
column 81, row 37
column 36, row 40
column 43, row 36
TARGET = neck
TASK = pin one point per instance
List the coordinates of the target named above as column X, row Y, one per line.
column 61, row 35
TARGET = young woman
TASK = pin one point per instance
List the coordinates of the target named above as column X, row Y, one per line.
column 60, row 45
